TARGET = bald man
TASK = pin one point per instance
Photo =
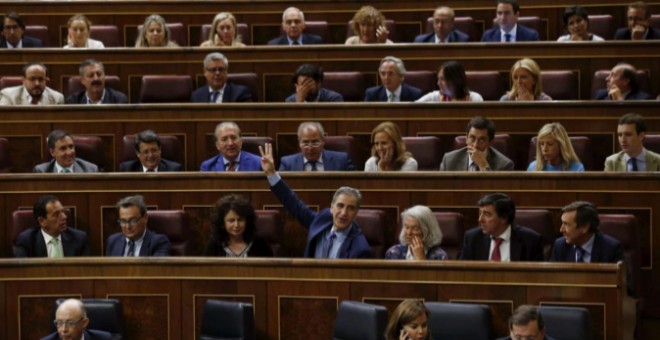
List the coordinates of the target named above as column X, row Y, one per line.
column 71, row 322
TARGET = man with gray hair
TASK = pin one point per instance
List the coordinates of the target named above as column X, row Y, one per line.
column 443, row 29
column 312, row 156
column 391, row 72
column 135, row 239
column 92, row 76
column 332, row 233
column 231, row 158
column 71, row 322
column 217, row 89
column 293, row 26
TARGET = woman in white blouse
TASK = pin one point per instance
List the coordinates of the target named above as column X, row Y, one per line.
column 78, row 36
column 389, row 151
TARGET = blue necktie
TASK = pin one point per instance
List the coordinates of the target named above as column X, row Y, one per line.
column 633, row 161
column 314, row 168
column 214, row 96
column 507, row 37
column 328, row 246
column 131, row 249
column 579, row 254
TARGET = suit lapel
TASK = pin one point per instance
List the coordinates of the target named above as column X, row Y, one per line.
column 76, row 167
column 463, row 161
column 40, row 249
column 596, row 250
column 515, row 247
column 299, row 163
column 484, row 247
column 67, row 245
column 146, row 244
column 328, row 161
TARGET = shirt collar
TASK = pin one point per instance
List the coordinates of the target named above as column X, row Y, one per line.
column 144, row 168
column 506, row 235
column 319, row 161
column 438, row 40
column 90, row 102
column 341, row 234
column 640, row 158
column 47, row 237
column 19, row 45
column 299, row 40
column 513, row 32
column 589, row 245
column 58, row 168
column 226, row 161
column 27, row 98
column 138, row 240
column 221, row 90
column 396, row 92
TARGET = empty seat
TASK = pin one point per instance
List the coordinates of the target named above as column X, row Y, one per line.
column 487, row 83
column 166, row 89
column 389, row 24
column 463, row 24
column 248, row 80
column 372, row 224
column 349, row 84
column 602, row 25
column 173, row 224
column 224, row 320
column 502, row 142
column 271, row 230
column 451, row 225
column 241, row 28
column 177, row 34
column 39, row 32
column 652, row 142
column 426, row 81
column 581, row 145
column 171, row 149
column 534, row 23
column 5, row 156
column 360, row 321
column 345, row 144
column 426, row 151
column 74, row 84
column 560, row 85
column 623, row 227
column 459, row 321
column 539, row 220
column 598, row 82
column 104, row 315
column 654, row 21
column 22, row 220
column 319, row 28
column 567, row 323
column 251, row 144
column 108, row 34
column 10, row 81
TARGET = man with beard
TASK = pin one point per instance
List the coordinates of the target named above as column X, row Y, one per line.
column 307, row 80
column 217, row 89
column 92, row 76
column 33, row 91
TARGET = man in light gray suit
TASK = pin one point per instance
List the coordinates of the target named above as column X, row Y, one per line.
column 633, row 155
column 63, row 151
column 33, row 91
column 478, row 155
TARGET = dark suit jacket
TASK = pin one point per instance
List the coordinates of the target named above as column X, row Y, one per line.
column 136, row 166
column 90, row 334
column 522, row 34
column 246, row 162
column 606, row 249
column 526, row 245
column 153, row 244
column 31, row 243
column 332, row 161
column 379, row 94
column 457, row 160
column 624, row 34
column 355, row 245
column 233, row 93
column 80, row 165
column 27, row 42
column 454, row 36
column 638, row 95
column 111, row 97
column 307, row 39
column 325, row 95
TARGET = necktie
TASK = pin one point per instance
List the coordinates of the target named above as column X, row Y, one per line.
column 151, row 170
column 633, row 161
column 65, row 171
column 391, row 97
column 507, row 37
column 313, row 164
column 131, row 249
column 35, row 101
column 472, row 167
column 496, row 256
column 231, row 166
column 328, row 245
column 295, row 43
column 214, row 96
column 579, row 254
column 57, row 252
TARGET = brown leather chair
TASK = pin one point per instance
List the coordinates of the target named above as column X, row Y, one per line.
column 372, row 223
column 426, row 81
column 248, row 80
column 5, row 156
column 652, row 142
column 319, row 28
column 171, row 149
column 345, row 144
column 623, row 227
column 389, row 24
column 487, row 83
column 426, row 151
column 602, row 25
column 654, row 21
column 166, row 89
column 581, row 145
column 22, row 220
column 502, row 142
column 108, row 34
column 598, row 82
column 349, row 84
column 560, row 85
column 251, row 144
column 270, row 228
column 10, row 81
column 173, row 224
column 451, row 225
column 177, row 33
column 39, row 32
column 75, row 85
column 242, row 29
column 539, row 220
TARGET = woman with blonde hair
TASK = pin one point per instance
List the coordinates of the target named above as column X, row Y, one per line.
column 409, row 321
column 154, row 33
column 554, row 151
column 526, row 82
column 369, row 27
column 389, row 152
column 78, row 28
column 224, row 32
column 420, row 237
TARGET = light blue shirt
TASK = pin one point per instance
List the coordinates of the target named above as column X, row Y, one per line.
column 574, row 166
column 641, row 161
column 138, row 244
column 336, row 245
column 588, row 248
column 299, row 40
column 513, row 32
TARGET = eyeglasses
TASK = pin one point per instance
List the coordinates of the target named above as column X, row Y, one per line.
column 67, row 323
column 132, row 222
column 314, row 143
column 10, row 27
column 216, row 69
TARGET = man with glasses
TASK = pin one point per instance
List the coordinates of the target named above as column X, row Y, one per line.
column 135, row 239
column 639, row 28
column 13, row 29
column 34, row 90
column 478, row 155
column 526, row 323
column 71, row 321
column 312, row 156
column 231, row 158
column 148, row 151
column 217, row 88
column 53, row 238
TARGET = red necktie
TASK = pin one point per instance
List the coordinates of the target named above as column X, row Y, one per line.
column 231, row 166
column 496, row 256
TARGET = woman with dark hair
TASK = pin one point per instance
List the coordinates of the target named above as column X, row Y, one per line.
column 576, row 21
column 409, row 321
column 389, row 151
column 234, row 227
column 452, row 82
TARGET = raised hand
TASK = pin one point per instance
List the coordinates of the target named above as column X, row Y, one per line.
column 381, row 34
column 267, row 162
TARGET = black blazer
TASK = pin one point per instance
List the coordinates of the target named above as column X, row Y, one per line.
column 111, row 97
column 136, row 166
column 233, row 93
column 379, row 94
column 526, row 245
column 602, row 94
column 27, row 42
column 454, row 36
column 153, row 244
column 307, row 39
column 31, row 243
column 606, row 249
column 625, row 34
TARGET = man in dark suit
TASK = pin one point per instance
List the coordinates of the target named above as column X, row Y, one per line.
column 639, row 28
column 217, row 88
column 622, row 85
column 52, row 238
column 391, row 72
column 498, row 238
column 71, row 321
column 92, row 76
column 478, row 155
column 312, row 156
column 63, row 151
column 443, row 26
column 13, row 29
column 307, row 79
column 231, row 157
column 293, row 26
column 508, row 29
column 148, row 152
column 332, row 233
column 526, row 323
column 135, row 239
